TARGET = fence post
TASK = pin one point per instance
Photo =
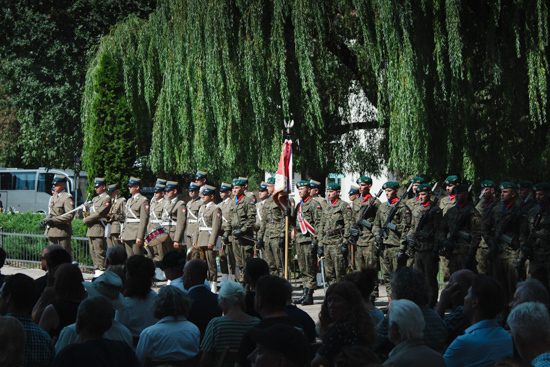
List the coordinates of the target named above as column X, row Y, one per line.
column 2, row 237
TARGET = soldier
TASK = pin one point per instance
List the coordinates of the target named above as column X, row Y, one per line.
column 315, row 193
column 501, row 231
column 414, row 200
column 307, row 218
column 449, row 201
column 334, row 235
column 174, row 217
column 271, row 185
column 535, row 235
column 159, row 182
column 422, row 238
column 155, row 220
column 95, row 221
column 192, row 208
column 227, row 257
column 210, row 226
column 392, row 249
column 264, row 195
column 241, row 222
column 200, row 179
column 460, row 232
column 116, row 216
column 57, row 223
column 137, row 217
column 353, row 194
column 485, row 206
column 250, row 194
column 525, row 188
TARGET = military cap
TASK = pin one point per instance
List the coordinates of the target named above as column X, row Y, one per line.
column 200, row 174
column 487, row 183
column 333, row 186
column 134, row 181
column 171, row 185
column 314, row 184
column 364, row 179
column 271, row 181
column 208, row 190
column 238, row 182
column 508, row 185
column 543, row 186
column 263, row 186
column 194, row 186
column 161, row 181
column 303, row 183
column 451, row 180
column 460, row 188
column 525, row 184
column 353, row 190
column 225, row 186
column 112, row 188
column 159, row 187
column 98, row 181
column 417, row 180
column 424, row 188
column 59, row 178
column 391, row 185
column 245, row 179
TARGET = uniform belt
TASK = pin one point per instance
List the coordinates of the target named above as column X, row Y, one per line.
column 333, row 232
column 156, row 221
column 167, row 223
column 273, row 221
column 192, row 221
column 205, row 228
column 130, row 220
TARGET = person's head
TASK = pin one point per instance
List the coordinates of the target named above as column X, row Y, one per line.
column 108, row 285
column 462, row 195
column 194, row 273
column 140, row 271
column 353, row 193
column 171, row 190
column 59, row 183
column 333, row 191
column 13, row 341
column 208, row 193
column 231, row 295
column 424, row 192
column 68, row 283
column 524, row 189
column 279, row 345
column 450, row 183
column 254, row 268
column 405, row 321
column 315, row 187
column 194, row 190
column 115, row 255
column 238, row 187
column 100, row 185
column 488, row 189
column 18, row 295
column 263, row 192
column 508, row 192
column 365, row 281
column 56, row 256
column 94, row 317
column 542, row 193
column 531, row 290
column 271, row 185
column 485, row 299
column 409, row 283
column 304, row 189
column 159, row 191
column 390, row 189
column 171, row 301
column 172, row 264
column 3, row 256
column 134, row 185
column 416, row 181
column 225, row 190
column 200, row 178
column 463, row 278
column 530, row 326
column 46, row 250
column 356, row 356
column 113, row 190
column 365, row 184
column 271, row 295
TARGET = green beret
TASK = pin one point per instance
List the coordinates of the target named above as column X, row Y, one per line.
column 424, row 188
column 271, row 181
column 238, row 182
column 525, row 184
column 303, row 183
column 333, row 186
column 364, row 179
column 391, row 185
column 460, row 188
column 417, row 180
column 487, row 183
column 508, row 185
column 543, row 186
column 451, row 180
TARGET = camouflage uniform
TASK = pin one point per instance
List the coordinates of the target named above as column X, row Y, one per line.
column 310, row 210
column 484, row 266
column 242, row 216
column 272, row 229
column 364, row 250
column 540, row 247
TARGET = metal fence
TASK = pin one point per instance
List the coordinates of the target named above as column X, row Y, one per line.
column 25, row 249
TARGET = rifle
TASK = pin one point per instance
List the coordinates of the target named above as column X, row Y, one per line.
column 413, row 241
column 527, row 248
column 355, row 231
column 490, row 209
column 494, row 243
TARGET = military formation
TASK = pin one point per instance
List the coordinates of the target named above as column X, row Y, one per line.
column 504, row 232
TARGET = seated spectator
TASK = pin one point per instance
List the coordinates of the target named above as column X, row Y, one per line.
column 300, row 316
column 452, row 297
column 227, row 330
column 530, row 327
column 173, row 338
column 365, row 280
column 17, row 296
column 254, row 268
column 3, row 256
column 139, row 296
column 95, row 315
column 42, row 282
column 279, row 345
column 172, row 265
column 115, row 255
column 484, row 343
column 344, row 321
column 12, row 340
column 108, row 285
column 512, row 362
column 69, row 292
column 205, row 303
column 356, row 356
column 406, row 323
column 531, row 290
column 121, row 272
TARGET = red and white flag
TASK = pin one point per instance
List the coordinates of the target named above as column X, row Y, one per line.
column 283, row 178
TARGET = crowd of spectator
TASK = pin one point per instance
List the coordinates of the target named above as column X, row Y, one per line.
column 118, row 319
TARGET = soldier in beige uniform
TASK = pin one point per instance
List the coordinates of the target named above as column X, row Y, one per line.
column 227, row 257
column 116, row 215
column 200, row 179
column 137, row 217
column 95, row 221
column 210, row 227
column 263, row 193
column 174, row 216
column 155, row 219
column 192, row 208
column 315, row 185
column 58, row 225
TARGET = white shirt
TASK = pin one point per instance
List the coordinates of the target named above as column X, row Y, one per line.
column 117, row 332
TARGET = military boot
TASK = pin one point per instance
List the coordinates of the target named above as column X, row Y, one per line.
column 298, row 301
column 308, row 300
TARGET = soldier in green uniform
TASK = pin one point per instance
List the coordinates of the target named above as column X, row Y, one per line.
column 334, row 235
column 57, row 223
column 241, row 222
column 174, row 217
column 116, row 216
column 227, row 257
column 485, row 205
column 536, row 230
column 271, row 185
column 422, row 238
column 250, row 194
column 416, row 181
column 449, row 201
column 498, row 223
column 307, row 218
column 392, row 247
column 315, row 185
column 525, row 188
column 101, row 205
column 353, row 194
column 155, row 220
column 192, row 208
column 137, row 217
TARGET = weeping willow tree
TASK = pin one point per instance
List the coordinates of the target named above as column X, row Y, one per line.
column 457, row 86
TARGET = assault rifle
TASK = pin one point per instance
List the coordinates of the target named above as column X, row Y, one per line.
column 355, row 231
column 527, row 248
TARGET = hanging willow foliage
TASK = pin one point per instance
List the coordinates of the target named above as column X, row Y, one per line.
column 458, row 87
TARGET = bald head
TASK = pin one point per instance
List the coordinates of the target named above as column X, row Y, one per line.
column 194, row 273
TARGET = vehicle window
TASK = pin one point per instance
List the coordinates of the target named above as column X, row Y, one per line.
column 5, row 181
column 45, row 182
column 24, row 181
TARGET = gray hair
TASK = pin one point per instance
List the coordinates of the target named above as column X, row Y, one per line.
column 171, row 301
column 533, row 290
column 408, row 316
column 531, row 321
column 95, row 315
column 231, row 294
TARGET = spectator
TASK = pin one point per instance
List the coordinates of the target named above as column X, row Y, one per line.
column 356, row 356
column 95, row 315
column 406, row 323
column 205, row 303
column 69, row 292
column 227, row 330
column 484, row 343
column 344, row 321
column 42, row 282
column 365, row 280
column 12, row 340
column 17, row 297
column 172, row 338
column 452, row 297
column 279, row 345
column 139, row 296
column 172, row 264
column 531, row 290
column 254, row 268
column 119, row 270
column 530, row 327
column 108, row 285
column 512, row 362
column 115, row 255
column 300, row 316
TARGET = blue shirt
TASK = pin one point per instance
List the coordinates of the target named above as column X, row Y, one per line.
column 542, row 360
column 483, row 344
